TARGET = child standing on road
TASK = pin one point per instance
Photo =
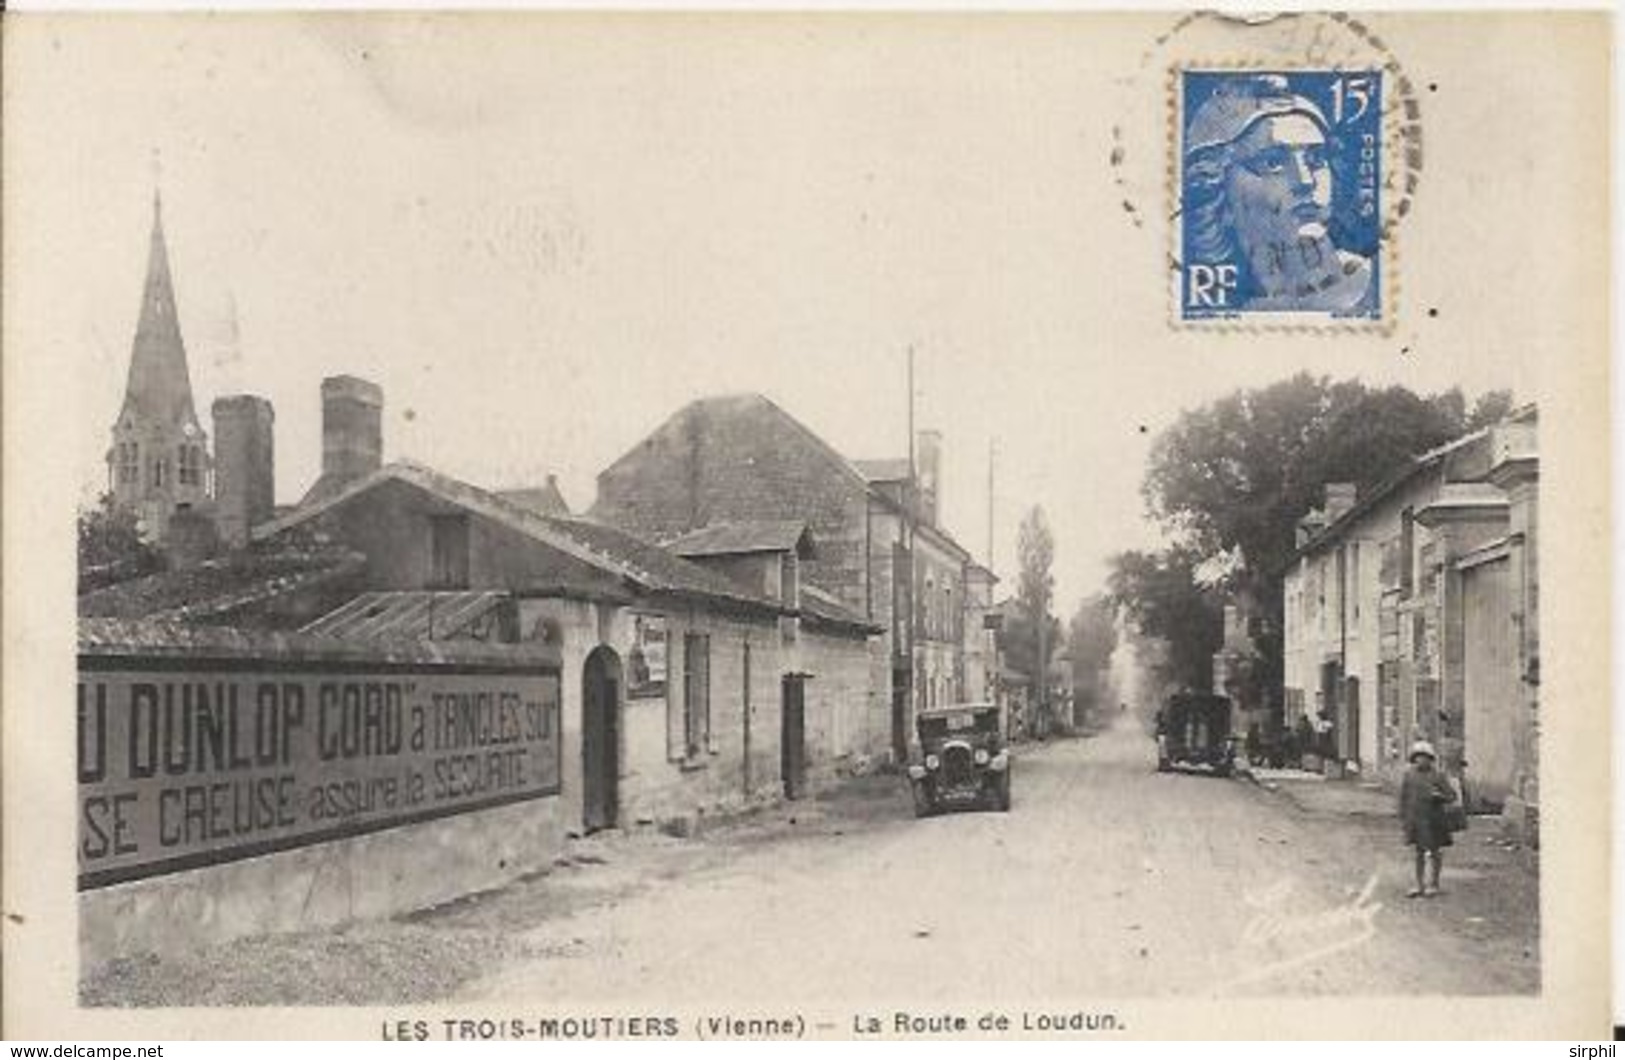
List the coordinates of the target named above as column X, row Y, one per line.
column 1423, row 795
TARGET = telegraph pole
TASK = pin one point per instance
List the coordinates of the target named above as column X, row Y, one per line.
column 992, row 455
column 909, row 501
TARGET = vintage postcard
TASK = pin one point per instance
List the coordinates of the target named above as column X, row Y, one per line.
column 549, row 526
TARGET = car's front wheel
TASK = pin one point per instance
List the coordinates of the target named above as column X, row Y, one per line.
column 1001, row 793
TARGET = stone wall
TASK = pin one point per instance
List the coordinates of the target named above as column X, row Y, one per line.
column 368, row 867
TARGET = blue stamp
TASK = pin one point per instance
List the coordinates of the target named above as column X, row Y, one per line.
column 1280, row 185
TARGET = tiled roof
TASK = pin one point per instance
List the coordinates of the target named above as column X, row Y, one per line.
column 737, row 458
column 421, row 615
column 543, row 500
column 729, row 539
column 1433, row 458
column 215, row 589
column 148, row 638
column 823, row 608
column 891, row 469
column 612, row 551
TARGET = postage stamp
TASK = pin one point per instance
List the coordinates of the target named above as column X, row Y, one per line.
column 1279, row 180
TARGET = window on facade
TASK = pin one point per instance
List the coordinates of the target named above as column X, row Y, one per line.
column 696, row 693
column 1354, row 579
column 160, row 472
column 1407, row 546
column 790, row 580
column 448, row 547
column 128, row 462
column 1320, row 597
column 646, row 663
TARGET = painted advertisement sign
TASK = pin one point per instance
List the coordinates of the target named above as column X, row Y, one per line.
column 181, row 766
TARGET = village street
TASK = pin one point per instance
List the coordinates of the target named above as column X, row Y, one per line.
column 1105, row 880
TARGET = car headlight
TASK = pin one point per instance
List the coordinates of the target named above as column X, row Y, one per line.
column 980, row 756
column 932, row 761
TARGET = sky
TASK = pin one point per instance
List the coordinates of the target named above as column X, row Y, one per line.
column 541, row 236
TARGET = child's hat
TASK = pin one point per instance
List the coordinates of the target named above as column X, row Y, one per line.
column 1422, row 747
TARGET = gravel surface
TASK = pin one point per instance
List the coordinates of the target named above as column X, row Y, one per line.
column 1107, row 879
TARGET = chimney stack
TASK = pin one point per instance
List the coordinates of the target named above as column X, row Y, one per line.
column 928, row 468
column 1340, row 498
column 244, row 465
column 352, row 428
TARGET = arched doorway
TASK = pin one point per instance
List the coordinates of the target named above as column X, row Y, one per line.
column 600, row 739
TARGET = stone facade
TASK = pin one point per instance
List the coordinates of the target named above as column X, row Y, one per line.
column 587, row 588
column 880, row 550
column 1411, row 615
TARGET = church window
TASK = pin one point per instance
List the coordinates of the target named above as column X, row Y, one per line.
column 191, row 468
column 160, row 472
column 128, row 462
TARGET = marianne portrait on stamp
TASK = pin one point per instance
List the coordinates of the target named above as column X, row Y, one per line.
column 1261, row 201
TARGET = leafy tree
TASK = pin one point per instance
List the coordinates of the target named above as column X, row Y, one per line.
column 111, row 547
column 1230, row 480
column 1492, row 406
column 1034, row 632
column 1237, row 475
column 1163, row 593
column 1091, row 639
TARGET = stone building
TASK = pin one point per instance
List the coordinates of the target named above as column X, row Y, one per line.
column 882, row 550
column 691, row 686
column 1412, row 612
column 159, row 460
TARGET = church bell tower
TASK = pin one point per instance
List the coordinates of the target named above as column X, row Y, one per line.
column 159, row 461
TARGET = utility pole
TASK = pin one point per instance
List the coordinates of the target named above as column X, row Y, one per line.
column 909, row 495
column 1043, row 669
column 992, row 455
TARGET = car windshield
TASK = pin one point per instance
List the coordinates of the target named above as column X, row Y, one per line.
column 938, row 726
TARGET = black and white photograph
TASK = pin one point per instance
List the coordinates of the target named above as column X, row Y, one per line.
column 867, row 525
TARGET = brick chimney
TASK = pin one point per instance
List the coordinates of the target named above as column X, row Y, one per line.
column 244, row 465
column 1340, row 498
column 928, row 468
column 352, row 428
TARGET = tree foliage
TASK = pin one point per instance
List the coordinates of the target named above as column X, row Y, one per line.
column 1229, row 482
column 1035, row 591
column 1236, row 476
column 1091, row 639
column 1164, row 596
column 111, row 547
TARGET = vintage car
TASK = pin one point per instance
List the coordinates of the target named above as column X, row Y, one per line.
column 964, row 761
column 1193, row 731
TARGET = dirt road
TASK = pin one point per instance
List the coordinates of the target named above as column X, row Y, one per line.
column 1106, row 880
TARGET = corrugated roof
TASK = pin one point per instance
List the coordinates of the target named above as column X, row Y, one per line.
column 737, row 538
column 425, row 615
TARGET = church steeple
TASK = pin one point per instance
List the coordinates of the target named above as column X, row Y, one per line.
column 159, row 388
column 159, row 460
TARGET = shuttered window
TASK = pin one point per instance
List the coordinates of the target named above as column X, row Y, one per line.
column 449, row 552
column 696, row 694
